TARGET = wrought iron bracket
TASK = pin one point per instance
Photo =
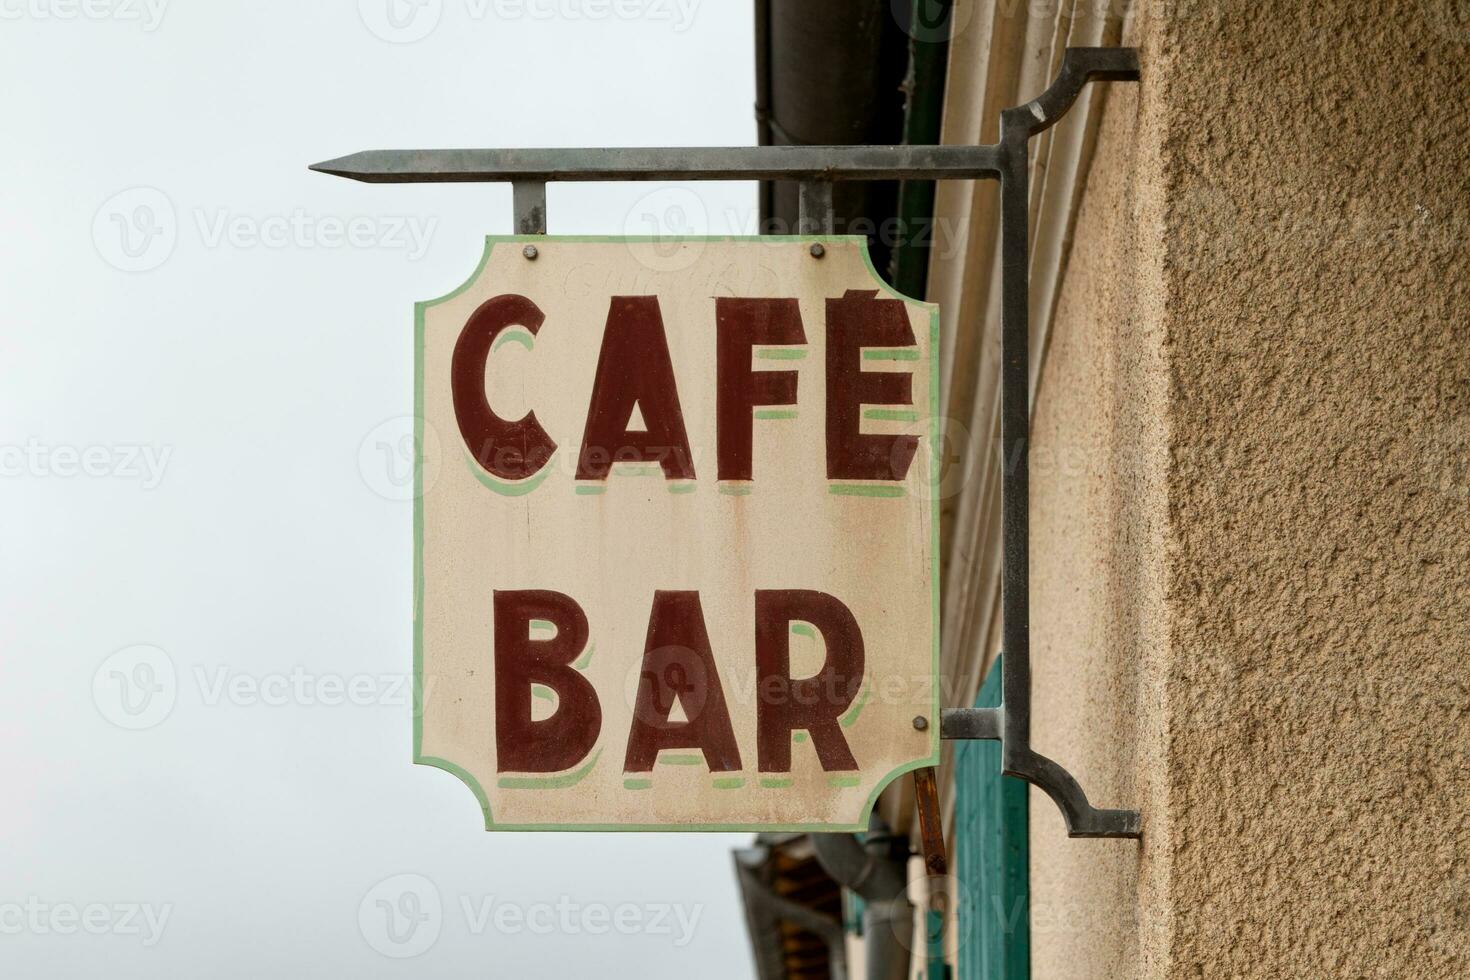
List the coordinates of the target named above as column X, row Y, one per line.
column 529, row 170
column 1082, row 818
column 1017, row 127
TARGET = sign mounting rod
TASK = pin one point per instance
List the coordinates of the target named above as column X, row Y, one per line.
column 807, row 163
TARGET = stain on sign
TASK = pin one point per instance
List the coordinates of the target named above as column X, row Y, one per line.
column 675, row 534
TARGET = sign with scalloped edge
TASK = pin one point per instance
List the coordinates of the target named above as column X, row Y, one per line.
column 675, row 534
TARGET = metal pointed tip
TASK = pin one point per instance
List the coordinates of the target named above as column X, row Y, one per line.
column 368, row 166
column 336, row 168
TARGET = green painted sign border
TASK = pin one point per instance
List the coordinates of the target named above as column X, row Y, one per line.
column 469, row 780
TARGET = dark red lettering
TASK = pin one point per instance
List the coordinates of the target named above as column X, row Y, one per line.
column 678, row 665
column 633, row 369
column 552, row 744
column 741, row 324
column 859, row 319
column 811, row 703
column 509, row 450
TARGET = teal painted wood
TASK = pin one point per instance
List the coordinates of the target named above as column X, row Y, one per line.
column 937, row 969
column 992, row 858
column 853, row 908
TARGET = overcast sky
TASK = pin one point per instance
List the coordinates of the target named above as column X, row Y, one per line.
column 205, row 367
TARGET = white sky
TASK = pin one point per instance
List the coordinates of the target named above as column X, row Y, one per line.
column 190, row 461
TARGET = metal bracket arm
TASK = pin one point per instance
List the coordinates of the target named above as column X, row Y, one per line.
column 968, row 723
column 1018, row 125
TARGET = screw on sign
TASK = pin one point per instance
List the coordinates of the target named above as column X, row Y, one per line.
column 700, row 485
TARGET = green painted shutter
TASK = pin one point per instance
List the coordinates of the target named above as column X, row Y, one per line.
column 853, row 907
column 991, row 858
column 936, row 969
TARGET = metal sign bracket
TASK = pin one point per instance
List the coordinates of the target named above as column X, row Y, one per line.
column 816, row 167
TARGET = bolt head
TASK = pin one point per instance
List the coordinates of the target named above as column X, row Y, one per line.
column 818, row 250
column 920, row 723
column 530, row 252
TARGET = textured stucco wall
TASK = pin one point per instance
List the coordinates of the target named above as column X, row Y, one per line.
column 1251, row 605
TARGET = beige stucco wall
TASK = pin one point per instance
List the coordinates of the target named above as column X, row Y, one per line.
column 1251, row 591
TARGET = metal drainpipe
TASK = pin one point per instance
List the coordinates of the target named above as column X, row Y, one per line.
column 877, row 869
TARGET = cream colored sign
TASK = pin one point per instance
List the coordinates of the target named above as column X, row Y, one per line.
column 675, row 534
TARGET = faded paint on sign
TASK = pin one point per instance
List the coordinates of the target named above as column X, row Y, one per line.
column 674, row 537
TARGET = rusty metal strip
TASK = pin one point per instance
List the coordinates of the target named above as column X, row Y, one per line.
column 931, row 822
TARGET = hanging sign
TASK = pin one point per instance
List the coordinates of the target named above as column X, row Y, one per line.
column 676, row 534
